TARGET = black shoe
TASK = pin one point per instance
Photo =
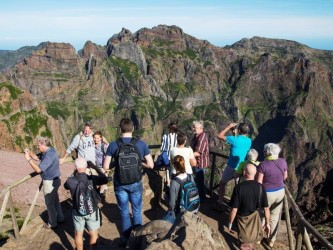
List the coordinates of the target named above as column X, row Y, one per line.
column 48, row 226
column 122, row 242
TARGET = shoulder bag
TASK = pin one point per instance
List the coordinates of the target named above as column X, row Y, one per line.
column 250, row 227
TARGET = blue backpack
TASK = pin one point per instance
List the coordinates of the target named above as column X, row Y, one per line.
column 162, row 160
column 188, row 196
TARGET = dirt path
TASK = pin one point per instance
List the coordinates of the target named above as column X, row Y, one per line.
column 13, row 165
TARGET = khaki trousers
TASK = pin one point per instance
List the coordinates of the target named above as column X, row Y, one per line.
column 275, row 203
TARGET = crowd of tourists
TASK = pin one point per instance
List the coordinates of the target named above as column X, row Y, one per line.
column 256, row 200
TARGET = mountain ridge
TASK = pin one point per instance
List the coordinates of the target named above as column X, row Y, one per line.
column 282, row 88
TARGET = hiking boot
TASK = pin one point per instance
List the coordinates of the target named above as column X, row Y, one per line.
column 122, row 242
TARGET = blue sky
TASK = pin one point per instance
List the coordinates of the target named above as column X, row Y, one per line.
column 221, row 22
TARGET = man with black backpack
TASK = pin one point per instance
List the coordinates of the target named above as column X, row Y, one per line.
column 129, row 155
column 85, row 201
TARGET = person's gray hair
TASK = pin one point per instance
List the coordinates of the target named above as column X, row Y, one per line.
column 252, row 155
column 272, row 149
column 43, row 141
column 199, row 123
column 80, row 163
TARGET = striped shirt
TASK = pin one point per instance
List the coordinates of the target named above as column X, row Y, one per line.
column 200, row 145
column 169, row 141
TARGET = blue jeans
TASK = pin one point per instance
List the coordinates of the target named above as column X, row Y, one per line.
column 199, row 178
column 129, row 193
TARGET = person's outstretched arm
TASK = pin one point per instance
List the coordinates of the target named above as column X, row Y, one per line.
column 222, row 134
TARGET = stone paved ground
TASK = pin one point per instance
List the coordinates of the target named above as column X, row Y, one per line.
column 13, row 166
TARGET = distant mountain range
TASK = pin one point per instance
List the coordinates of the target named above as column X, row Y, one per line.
column 9, row 58
column 282, row 88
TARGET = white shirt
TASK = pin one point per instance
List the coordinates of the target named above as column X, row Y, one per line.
column 187, row 154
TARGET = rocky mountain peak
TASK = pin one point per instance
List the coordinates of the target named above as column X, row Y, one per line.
column 282, row 88
column 91, row 48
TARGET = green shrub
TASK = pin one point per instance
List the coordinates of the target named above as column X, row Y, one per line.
column 110, row 106
column 7, row 216
column 113, row 131
column 176, row 90
column 206, row 63
column 55, row 109
column 34, row 122
column 50, row 74
column 82, row 92
column 7, row 125
column 5, row 108
column 138, row 133
column 93, row 112
column 28, row 139
column 190, row 53
column 20, row 222
column 152, row 52
column 14, row 92
column 46, row 133
column 15, row 118
column 128, row 68
column 19, row 141
column 162, row 43
column 4, row 236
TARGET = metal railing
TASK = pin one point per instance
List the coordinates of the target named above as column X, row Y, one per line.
column 303, row 225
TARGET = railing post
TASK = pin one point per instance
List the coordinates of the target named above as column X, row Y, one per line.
column 3, row 207
column 303, row 223
column 289, row 230
column 306, row 240
column 31, row 208
column 212, row 172
column 299, row 237
column 12, row 213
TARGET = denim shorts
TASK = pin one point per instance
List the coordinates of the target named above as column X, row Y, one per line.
column 92, row 221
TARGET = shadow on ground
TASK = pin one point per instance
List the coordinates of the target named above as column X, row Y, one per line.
column 222, row 217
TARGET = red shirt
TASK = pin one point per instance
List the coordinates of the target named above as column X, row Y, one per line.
column 200, row 144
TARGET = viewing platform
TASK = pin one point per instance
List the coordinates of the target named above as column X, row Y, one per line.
column 23, row 201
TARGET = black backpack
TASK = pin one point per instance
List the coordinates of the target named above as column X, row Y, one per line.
column 188, row 195
column 128, row 162
column 86, row 198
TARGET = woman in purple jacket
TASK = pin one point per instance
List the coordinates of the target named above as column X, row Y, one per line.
column 271, row 173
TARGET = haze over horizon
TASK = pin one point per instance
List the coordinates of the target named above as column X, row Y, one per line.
column 28, row 23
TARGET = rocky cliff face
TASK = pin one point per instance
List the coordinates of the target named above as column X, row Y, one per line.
column 283, row 89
